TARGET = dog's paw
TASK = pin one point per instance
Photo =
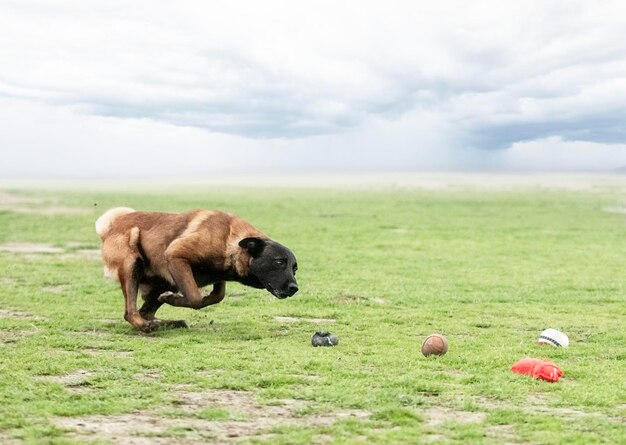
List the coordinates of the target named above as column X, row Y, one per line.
column 150, row 326
column 168, row 296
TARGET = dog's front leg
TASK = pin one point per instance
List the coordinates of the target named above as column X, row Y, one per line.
column 216, row 295
column 189, row 295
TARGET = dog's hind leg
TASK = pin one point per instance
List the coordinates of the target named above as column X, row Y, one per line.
column 150, row 293
column 129, row 276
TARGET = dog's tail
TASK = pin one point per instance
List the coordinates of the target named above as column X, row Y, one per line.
column 104, row 223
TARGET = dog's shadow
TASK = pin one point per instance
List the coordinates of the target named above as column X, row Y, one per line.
column 224, row 330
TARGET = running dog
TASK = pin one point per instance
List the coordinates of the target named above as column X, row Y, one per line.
column 169, row 256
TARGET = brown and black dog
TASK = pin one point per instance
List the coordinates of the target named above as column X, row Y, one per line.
column 168, row 256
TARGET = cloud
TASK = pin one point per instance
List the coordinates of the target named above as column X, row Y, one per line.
column 51, row 141
column 249, row 73
column 554, row 153
column 335, row 84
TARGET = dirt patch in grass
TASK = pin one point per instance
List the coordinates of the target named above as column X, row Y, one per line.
column 77, row 381
column 76, row 245
column 355, row 299
column 76, row 249
column 113, row 353
column 217, row 416
column 151, row 375
column 17, row 247
column 502, row 432
column 8, row 336
column 89, row 254
column 48, row 210
column 10, row 313
column 438, row 415
column 240, row 400
column 7, row 199
column 489, row 403
column 56, row 289
column 538, row 404
column 434, row 438
column 5, row 439
column 94, row 352
column 128, row 429
column 77, row 377
column 38, row 250
column 36, row 206
column 304, row 320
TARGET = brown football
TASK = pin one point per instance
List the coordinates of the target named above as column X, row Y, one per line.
column 435, row 344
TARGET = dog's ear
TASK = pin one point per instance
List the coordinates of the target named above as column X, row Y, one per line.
column 253, row 245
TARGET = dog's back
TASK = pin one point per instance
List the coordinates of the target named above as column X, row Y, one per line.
column 128, row 235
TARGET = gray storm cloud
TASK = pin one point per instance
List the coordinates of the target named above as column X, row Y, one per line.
column 350, row 85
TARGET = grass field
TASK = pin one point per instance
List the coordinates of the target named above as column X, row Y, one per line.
column 380, row 267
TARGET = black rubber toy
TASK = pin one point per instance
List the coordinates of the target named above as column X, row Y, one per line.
column 324, row 339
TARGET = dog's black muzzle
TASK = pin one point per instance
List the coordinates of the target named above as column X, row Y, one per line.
column 289, row 291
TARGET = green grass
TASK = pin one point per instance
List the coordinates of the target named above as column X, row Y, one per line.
column 488, row 269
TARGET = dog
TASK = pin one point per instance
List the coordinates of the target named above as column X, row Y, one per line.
column 169, row 256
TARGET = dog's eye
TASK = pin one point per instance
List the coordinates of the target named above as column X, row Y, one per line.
column 279, row 262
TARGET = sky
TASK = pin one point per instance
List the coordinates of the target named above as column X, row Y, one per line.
column 107, row 89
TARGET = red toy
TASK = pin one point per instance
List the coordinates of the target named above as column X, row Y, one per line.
column 540, row 369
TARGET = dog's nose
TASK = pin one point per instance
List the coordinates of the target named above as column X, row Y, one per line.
column 293, row 288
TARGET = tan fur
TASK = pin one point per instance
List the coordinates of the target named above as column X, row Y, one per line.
column 205, row 235
column 103, row 224
column 165, row 245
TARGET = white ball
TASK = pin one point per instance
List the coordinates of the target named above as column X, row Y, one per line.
column 554, row 338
